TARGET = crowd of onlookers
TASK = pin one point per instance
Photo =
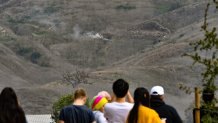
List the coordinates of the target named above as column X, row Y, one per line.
column 120, row 107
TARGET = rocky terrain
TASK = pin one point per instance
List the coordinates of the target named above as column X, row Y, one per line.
column 141, row 41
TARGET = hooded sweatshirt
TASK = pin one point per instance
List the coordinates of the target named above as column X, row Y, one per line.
column 165, row 111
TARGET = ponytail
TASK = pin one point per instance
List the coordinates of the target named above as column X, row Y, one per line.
column 133, row 114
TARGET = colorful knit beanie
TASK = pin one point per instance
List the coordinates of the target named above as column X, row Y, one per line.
column 98, row 102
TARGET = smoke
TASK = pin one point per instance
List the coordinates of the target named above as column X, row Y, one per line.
column 95, row 35
column 76, row 32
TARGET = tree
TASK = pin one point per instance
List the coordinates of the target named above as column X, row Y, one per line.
column 76, row 78
column 206, row 54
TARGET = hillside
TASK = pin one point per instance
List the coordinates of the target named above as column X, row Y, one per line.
column 141, row 41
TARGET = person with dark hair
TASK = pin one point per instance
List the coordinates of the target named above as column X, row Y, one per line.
column 10, row 110
column 117, row 111
column 141, row 113
column 78, row 112
column 165, row 111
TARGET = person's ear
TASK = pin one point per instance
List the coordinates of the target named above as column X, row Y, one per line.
column 162, row 97
column 84, row 99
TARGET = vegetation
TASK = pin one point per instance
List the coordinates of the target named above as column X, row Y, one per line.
column 167, row 6
column 205, row 54
column 76, row 78
column 32, row 54
column 52, row 8
column 61, row 103
column 57, row 106
column 125, row 7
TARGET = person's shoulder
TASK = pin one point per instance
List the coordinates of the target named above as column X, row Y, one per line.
column 128, row 104
column 169, row 107
column 68, row 107
column 112, row 104
column 108, row 105
column 98, row 113
column 147, row 109
column 85, row 108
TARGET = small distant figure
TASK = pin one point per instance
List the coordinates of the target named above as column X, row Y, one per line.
column 165, row 111
column 77, row 112
column 10, row 110
column 117, row 111
column 98, row 103
column 106, row 95
column 141, row 113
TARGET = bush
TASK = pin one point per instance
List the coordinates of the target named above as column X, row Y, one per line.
column 23, row 51
column 57, row 106
column 162, row 7
column 125, row 7
column 34, row 57
column 61, row 103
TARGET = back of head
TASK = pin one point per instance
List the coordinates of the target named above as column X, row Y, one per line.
column 8, row 98
column 79, row 93
column 10, row 111
column 141, row 96
column 157, row 90
column 120, row 88
column 105, row 94
column 157, row 93
column 98, row 102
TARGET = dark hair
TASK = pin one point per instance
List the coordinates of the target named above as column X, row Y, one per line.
column 10, row 111
column 141, row 96
column 120, row 88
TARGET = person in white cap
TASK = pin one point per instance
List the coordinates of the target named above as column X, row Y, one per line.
column 165, row 111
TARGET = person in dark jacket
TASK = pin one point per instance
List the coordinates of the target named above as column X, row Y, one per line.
column 165, row 111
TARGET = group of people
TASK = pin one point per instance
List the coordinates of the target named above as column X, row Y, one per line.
column 121, row 107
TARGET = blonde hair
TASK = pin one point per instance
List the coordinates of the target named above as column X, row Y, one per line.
column 79, row 93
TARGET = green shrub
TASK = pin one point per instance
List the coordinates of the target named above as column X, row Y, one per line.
column 167, row 6
column 61, row 103
column 34, row 57
column 125, row 7
column 57, row 106
column 51, row 9
column 23, row 51
column 6, row 38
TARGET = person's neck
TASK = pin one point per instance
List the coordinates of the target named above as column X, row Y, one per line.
column 78, row 102
column 120, row 100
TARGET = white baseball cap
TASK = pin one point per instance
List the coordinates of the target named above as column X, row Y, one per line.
column 157, row 90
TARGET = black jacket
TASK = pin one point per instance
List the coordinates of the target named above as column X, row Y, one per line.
column 165, row 111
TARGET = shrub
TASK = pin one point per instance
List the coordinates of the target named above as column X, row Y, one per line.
column 22, row 51
column 61, row 103
column 125, row 7
column 57, row 106
column 208, row 46
column 76, row 78
column 34, row 57
column 167, row 6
